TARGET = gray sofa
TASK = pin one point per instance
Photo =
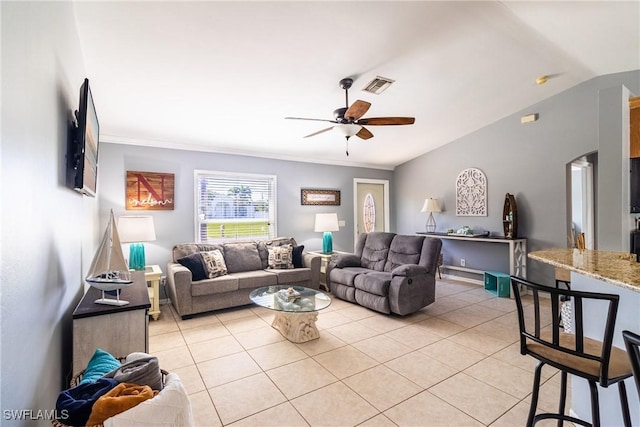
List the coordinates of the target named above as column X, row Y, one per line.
column 388, row 273
column 247, row 265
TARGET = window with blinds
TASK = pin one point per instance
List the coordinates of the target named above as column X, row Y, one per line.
column 234, row 206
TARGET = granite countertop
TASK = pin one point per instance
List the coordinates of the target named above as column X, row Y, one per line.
column 616, row 268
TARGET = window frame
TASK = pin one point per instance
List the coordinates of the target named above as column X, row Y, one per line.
column 272, row 184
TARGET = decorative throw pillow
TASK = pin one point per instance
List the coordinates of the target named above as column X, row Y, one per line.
column 280, row 257
column 297, row 256
column 214, row 263
column 195, row 264
column 100, row 364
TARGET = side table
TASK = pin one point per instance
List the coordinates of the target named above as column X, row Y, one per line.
column 152, row 274
column 324, row 262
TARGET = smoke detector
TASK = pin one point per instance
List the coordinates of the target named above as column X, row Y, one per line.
column 378, row 85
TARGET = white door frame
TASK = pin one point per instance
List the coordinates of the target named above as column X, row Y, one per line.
column 385, row 184
column 586, row 177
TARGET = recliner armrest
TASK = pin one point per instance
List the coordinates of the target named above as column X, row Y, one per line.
column 409, row 270
column 345, row 260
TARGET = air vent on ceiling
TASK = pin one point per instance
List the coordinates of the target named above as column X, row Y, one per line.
column 378, row 85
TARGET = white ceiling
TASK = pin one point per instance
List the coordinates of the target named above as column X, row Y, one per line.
column 221, row 76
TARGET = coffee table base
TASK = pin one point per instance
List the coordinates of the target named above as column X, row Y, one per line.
column 297, row 327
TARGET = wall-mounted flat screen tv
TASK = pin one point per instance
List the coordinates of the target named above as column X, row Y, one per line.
column 86, row 139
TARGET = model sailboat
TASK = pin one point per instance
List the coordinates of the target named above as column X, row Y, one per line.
column 108, row 271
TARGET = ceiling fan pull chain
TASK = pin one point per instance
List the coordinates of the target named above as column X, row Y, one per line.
column 347, row 145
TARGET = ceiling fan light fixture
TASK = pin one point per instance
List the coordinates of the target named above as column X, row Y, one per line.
column 378, row 85
column 348, row 129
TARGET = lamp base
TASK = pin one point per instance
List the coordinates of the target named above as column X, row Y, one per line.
column 327, row 242
column 136, row 256
column 431, row 224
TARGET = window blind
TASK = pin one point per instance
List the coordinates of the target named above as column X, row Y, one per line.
column 234, row 206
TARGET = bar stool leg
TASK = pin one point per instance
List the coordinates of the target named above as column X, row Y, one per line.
column 563, row 396
column 595, row 404
column 624, row 402
column 534, row 394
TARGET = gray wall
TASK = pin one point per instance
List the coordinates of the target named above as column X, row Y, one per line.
column 48, row 230
column 529, row 161
column 177, row 226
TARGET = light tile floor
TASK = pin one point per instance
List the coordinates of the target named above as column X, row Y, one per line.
column 454, row 363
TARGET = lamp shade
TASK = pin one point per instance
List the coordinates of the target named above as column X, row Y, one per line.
column 136, row 229
column 326, row 222
column 430, row 205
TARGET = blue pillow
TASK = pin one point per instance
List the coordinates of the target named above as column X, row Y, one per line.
column 297, row 256
column 194, row 263
column 100, row 364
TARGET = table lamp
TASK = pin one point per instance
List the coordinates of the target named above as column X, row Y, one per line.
column 431, row 205
column 136, row 230
column 326, row 223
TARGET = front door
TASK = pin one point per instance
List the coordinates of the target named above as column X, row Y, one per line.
column 371, row 205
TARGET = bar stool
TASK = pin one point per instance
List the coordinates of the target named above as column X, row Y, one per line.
column 632, row 342
column 597, row 361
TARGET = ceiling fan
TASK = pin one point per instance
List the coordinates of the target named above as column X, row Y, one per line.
column 349, row 121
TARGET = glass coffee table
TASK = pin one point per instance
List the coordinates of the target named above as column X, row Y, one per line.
column 296, row 309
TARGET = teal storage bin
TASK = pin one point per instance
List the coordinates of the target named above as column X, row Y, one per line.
column 497, row 283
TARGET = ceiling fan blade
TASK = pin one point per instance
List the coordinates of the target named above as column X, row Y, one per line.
column 357, row 110
column 315, row 120
column 364, row 133
column 387, row 121
column 319, row 132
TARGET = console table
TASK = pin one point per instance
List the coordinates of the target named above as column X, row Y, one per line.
column 118, row 330
column 517, row 251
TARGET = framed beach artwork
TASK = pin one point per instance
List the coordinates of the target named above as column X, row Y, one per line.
column 320, row 197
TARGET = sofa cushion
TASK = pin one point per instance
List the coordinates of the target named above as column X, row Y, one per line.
column 297, row 256
column 264, row 245
column 281, row 257
column 183, row 249
column 242, row 256
column 375, row 250
column 376, row 282
column 346, row 276
column 218, row 285
column 214, row 263
column 295, row 275
column 195, row 264
column 404, row 250
column 255, row 279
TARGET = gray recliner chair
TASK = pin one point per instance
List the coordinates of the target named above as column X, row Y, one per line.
column 388, row 273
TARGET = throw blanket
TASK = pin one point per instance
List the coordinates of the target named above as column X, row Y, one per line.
column 77, row 402
column 170, row 408
column 122, row 397
column 140, row 368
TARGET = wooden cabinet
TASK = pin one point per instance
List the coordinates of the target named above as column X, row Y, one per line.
column 118, row 330
column 510, row 217
column 634, row 127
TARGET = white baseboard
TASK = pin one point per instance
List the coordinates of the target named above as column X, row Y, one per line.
column 463, row 279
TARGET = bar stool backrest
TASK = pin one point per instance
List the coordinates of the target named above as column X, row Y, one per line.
column 632, row 342
column 544, row 338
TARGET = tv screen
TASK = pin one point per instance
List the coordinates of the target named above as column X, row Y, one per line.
column 87, row 133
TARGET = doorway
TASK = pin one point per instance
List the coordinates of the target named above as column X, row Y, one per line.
column 581, row 209
column 371, row 206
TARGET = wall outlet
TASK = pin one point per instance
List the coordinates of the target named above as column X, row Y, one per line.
column 462, row 262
